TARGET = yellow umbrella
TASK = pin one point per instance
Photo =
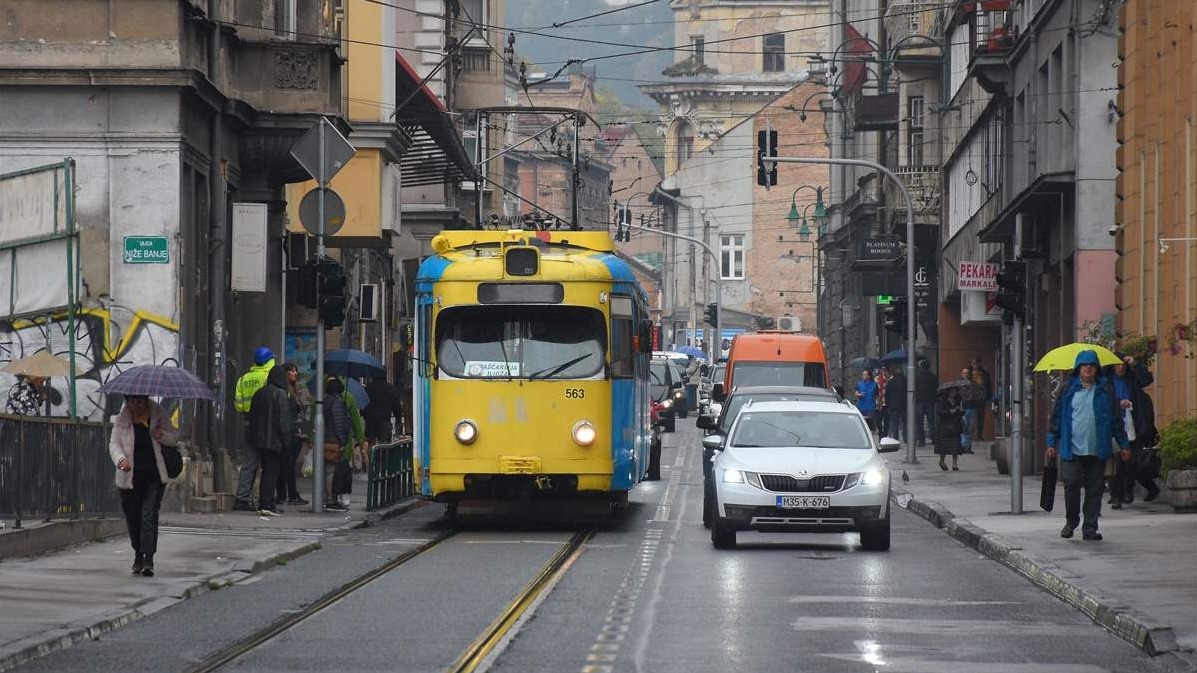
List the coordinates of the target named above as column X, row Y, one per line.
column 1064, row 357
column 41, row 364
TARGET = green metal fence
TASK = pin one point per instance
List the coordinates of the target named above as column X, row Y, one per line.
column 392, row 474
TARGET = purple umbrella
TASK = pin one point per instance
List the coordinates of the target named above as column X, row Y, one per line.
column 159, row 381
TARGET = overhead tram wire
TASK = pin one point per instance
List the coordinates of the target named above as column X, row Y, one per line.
column 604, row 13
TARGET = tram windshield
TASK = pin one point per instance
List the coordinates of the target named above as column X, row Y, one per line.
column 521, row 342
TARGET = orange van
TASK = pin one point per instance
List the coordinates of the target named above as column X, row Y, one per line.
column 776, row 358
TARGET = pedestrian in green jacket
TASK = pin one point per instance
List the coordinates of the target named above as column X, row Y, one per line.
column 250, row 383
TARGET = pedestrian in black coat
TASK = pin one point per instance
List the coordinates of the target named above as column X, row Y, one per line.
column 271, row 428
column 949, row 426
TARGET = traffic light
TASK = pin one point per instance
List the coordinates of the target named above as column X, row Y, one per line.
column 766, row 143
column 895, row 315
column 1012, row 288
column 332, row 293
column 623, row 229
column 306, row 288
column 711, row 315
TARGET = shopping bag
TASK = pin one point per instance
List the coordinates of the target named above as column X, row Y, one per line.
column 1047, row 491
column 1128, row 421
column 307, row 465
column 1148, row 465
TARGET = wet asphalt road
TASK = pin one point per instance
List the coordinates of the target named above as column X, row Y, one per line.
column 648, row 594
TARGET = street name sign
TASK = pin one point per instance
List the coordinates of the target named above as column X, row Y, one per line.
column 146, row 250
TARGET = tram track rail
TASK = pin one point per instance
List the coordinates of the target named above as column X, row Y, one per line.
column 470, row 660
column 486, row 644
column 258, row 638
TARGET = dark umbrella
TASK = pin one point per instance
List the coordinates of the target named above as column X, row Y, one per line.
column 159, row 381
column 356, row 389
column 899, row 356
column 866, row 362
column 955, row 383
column 353, row 363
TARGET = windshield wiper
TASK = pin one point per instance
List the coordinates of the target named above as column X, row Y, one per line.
column 506, row 360
column 552, row 371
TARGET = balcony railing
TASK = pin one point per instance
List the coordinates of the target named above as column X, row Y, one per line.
column 923, row 184
column 475, row 60
column 907, row 18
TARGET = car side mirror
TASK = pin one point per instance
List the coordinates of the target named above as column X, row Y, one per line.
column 889, row 445
column 712, row 442
column 717, row 392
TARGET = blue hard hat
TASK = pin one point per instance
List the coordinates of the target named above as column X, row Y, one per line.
column 263, row 355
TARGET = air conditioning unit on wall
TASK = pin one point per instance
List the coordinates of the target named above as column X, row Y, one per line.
column 788, row 323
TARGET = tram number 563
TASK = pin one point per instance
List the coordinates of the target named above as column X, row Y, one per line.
column 575, row 393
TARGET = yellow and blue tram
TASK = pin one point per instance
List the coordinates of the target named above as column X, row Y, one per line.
column 531, row 368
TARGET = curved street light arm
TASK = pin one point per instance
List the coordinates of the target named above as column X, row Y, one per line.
column 910, row 264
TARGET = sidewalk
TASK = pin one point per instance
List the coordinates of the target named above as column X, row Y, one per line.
column 1139, row 582
column 77, row 592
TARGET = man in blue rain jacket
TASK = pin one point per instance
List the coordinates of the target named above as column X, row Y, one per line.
column 1085, row 421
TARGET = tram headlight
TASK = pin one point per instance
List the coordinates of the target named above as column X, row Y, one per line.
column 584, row 433
column 466, row 431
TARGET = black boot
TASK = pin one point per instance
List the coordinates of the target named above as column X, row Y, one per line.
column 138, row 564
column 147, row 566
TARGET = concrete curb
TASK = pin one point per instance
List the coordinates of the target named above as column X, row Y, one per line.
column 1154, row 638
column 39, row 539
column 34, row 647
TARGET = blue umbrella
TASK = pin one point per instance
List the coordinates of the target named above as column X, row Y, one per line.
column 353, row 363
column 899, row 356
column 355, row 389
column 159, row 381
column 693, row 351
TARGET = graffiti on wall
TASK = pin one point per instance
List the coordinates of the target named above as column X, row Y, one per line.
column 108, row 340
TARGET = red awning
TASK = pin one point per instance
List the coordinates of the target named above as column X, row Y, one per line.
column 437, row 154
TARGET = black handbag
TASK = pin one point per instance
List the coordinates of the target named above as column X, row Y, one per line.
column 1148, row 463
column 1047, row 491
column 172, row 458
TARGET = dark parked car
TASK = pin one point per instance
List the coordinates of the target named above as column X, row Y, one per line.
column 666, row 387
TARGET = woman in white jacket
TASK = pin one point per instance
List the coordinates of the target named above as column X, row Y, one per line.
column 138, row 433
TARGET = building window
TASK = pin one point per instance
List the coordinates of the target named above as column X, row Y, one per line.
column 915, row 110
column 473, row 15
column 775, row 52
column 698, row 45
column 731, row 257
column 284, row 19
column 914, row 23
column 685, row 142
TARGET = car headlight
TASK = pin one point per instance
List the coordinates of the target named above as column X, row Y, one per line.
column 584, row 433
column 733, row 476
column 872, row 478
column 869, row 478
column 679, row 394
column 667, row 404
column 466, row 431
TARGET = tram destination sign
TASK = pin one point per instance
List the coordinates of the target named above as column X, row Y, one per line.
column 146, row 250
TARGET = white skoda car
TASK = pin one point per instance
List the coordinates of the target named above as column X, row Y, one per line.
column 802, row 466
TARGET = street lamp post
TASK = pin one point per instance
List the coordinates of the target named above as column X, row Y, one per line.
column 910, row 262
column 718, row 287
column 819, row 218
